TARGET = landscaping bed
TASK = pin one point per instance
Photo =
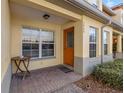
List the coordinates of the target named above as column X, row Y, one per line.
column 106, row 78
column 110, row 73
column 89, row 84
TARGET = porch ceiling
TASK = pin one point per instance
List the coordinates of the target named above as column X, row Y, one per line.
column 117, row 32
column 50, row 8
column 35, row 14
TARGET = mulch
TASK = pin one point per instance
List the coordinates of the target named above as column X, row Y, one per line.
column 90, row 85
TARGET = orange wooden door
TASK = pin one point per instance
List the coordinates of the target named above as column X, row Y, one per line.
column 69, row 46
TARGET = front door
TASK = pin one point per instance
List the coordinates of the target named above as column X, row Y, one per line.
column 69, row 46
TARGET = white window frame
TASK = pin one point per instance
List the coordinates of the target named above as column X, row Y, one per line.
column 48, row 43
column 107, row 33
column 40, row 44
column 93, row 42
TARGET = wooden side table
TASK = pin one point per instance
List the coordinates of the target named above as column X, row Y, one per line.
column 18, row 60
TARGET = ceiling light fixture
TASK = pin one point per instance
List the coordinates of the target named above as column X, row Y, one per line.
column 46, row 16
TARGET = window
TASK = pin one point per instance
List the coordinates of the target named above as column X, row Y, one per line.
column 30, row 42
column 47, row 43
column 37, row 43
column 105, row 40
column 70, row 39
column 92, row 41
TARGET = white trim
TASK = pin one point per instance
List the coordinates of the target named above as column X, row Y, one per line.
column 40, row 47
column 96, row 42
column 21, row 44
column 107, row 42
column 40, row 44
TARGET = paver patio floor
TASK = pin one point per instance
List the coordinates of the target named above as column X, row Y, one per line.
column 47, row 80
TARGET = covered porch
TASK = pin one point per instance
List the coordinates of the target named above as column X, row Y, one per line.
column 117, row 45
column 52, row 31
column 48, row 35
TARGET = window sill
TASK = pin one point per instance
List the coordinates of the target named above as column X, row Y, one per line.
column 45, row 58
column 93, row 57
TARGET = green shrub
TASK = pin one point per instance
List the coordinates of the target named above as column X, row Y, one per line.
column 110, row 73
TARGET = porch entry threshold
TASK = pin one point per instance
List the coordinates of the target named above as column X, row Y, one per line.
column 65, row 69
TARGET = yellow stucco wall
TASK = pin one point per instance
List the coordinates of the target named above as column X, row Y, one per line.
column 82, row 29
column 87, row 22
column 119, row 15
column 16, row 26
column 5, row 38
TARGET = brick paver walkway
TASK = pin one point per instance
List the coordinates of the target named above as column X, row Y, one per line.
column 70, row 88
column 48, row 80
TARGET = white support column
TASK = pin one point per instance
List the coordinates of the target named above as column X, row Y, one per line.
column 119, row 43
